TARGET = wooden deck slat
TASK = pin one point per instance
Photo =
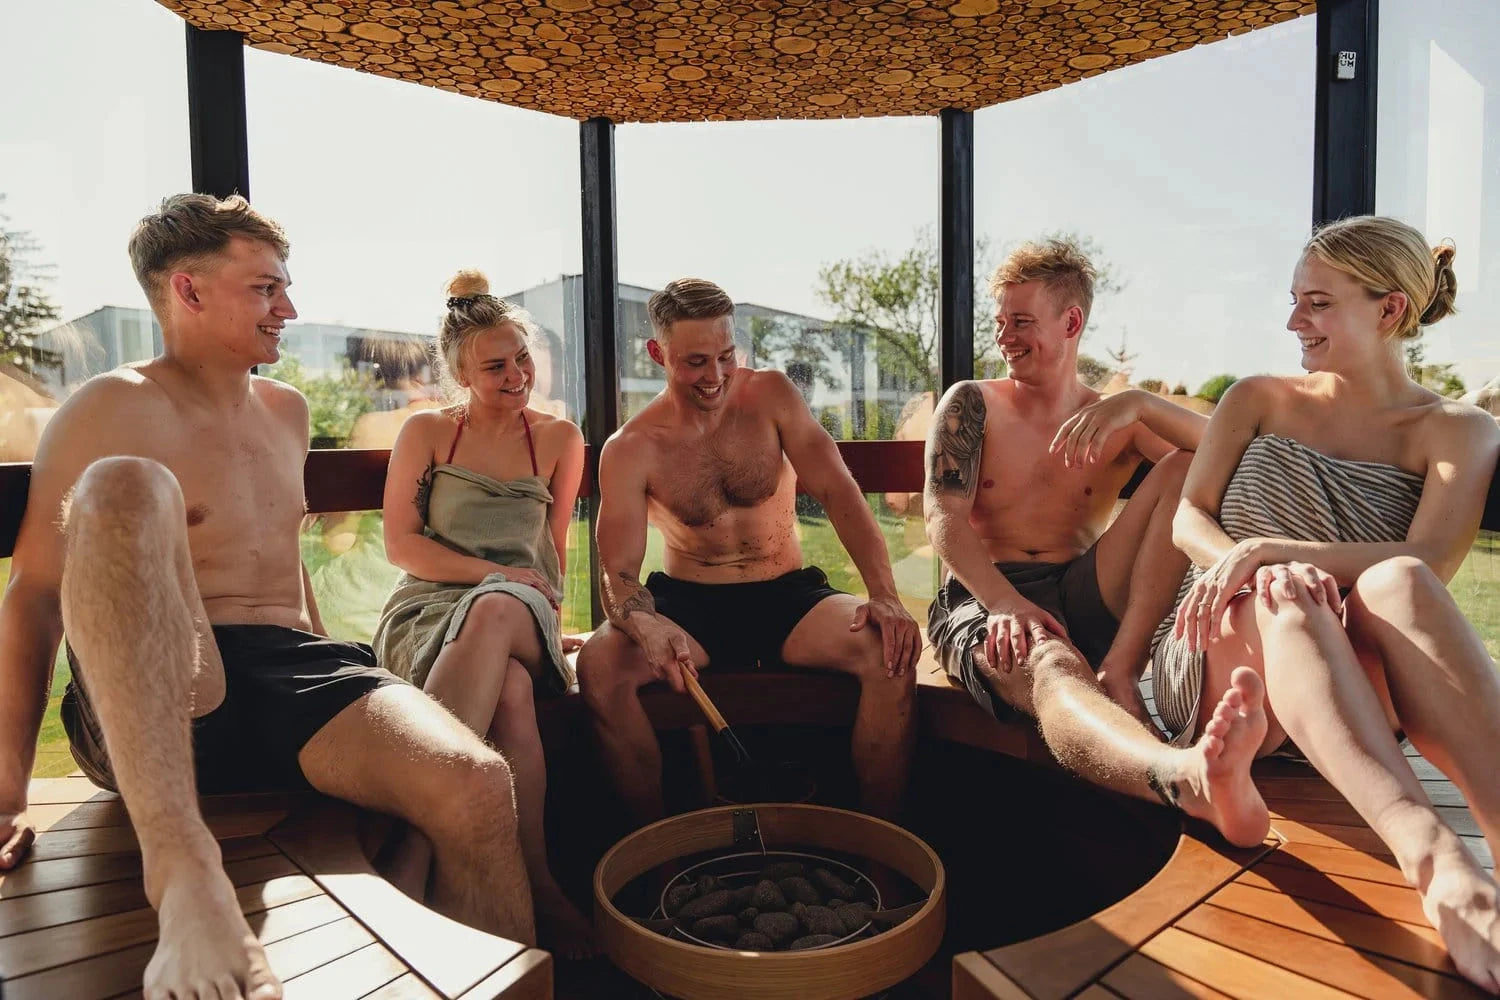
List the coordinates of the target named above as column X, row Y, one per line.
column 1353, row 864
column 1342, row 813
column 1442, row 793
column 1362, row 838
column 348, row 978
column 1231, row 971
column 408, row 987
column 111, row 812
column 63, row 873
column 1097, row 992
column 1391, row 902
column 50, row 791
column 311, row 949
column 114, row 839
column 975, row 977
column 1139, row 978
column 528, row 976
column 29, row 913
column 1317, row 958
column 36, row 950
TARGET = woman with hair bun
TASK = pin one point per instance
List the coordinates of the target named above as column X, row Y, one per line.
column 478, row 500
column 1323, row 515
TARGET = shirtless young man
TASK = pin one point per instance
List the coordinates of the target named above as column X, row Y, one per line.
column 1044, row 609
column 161, row 533
column 714, row 463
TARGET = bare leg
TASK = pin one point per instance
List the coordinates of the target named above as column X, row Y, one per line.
column 398, row 751
column 611, row 671
column 560, row 926
column 885, row 722
column 1139, row 572
column 132, row 613
column 1096, row 738
column 1438, row 675
column 1326, row 703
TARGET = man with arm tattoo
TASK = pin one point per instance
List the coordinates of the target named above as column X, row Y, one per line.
column 1048, row 607
column 713, row 462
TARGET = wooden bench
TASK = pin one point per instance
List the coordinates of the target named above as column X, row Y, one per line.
column 1318, row 910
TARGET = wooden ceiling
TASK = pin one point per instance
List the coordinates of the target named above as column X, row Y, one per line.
column 717, row 60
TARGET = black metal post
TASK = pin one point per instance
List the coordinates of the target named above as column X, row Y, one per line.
column 1348, row 41
column 956, row 282
column 601, row 315
column 216, row 112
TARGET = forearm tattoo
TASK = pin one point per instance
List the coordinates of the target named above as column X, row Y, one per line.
column 624, row 595
column 956, row 441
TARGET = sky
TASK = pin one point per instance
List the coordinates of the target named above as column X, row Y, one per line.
column 1190, row 172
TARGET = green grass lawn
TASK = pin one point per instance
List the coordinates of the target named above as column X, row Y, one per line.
column 345, row 557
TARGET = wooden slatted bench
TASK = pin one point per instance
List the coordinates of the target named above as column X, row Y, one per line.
column 1318, row 910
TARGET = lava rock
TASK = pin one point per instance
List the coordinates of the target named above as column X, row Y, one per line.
column 832, row 885
column 812, row 941
column 779, row 927
column 854, row 916
column 767, row 895
column 754, row 941
column 747, row 916
column 744, row 896
column 796, row 888
column 778, row 870
column 679, row 896
column 722, row 928
column 707, row 884
column 835, row 903
column 714, row 904
column 821, row 920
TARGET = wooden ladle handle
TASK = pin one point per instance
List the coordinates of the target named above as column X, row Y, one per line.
column 706, row 703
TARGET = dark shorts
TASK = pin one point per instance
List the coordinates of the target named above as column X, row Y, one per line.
column 956, row 622
column 281, row 686
column 741, row 624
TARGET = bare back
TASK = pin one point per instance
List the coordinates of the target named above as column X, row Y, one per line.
column 724, row 498
column 239, row 467
column 1028, row 505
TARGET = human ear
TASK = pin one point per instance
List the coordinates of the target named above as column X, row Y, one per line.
column 653, row 348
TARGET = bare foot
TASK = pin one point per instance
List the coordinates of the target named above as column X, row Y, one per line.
column 1461, row 902
column 205, row 946
column 560, row 927
column 1214, row 783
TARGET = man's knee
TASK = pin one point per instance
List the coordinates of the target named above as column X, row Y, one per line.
column 1053, row 665
column 473, row 794
column 607, row 667
column 1396, row 587
column 1170, row 473
column 127, row 490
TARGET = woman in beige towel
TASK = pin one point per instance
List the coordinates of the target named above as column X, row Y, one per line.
column 478, row 500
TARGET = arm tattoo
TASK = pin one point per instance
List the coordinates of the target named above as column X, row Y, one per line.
column 623, row 596
column 424, row 491
column 956, row 441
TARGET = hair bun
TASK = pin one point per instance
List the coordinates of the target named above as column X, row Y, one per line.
column 1445, row 284
column 467, row 284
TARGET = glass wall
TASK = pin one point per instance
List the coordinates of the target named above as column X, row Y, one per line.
column 93, row 135
column 825, row 235
column 1438, row 163
column 1188, row 179
column 386, row 189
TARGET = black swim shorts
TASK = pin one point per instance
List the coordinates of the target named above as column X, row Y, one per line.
column 281, row 686
column 956, row 622
column 741, row 624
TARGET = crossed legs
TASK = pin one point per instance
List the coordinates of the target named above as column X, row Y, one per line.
column 1337, row 688
column 133, row 615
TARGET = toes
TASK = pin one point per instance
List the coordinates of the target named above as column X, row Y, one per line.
column 1212, row 746
column 227, row 987
column 1218, row 726
column 1249, row 684
column 1225, row 712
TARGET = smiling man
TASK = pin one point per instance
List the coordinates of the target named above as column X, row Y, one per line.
column 161, row 533
column 1048, row 607
column 713, row 462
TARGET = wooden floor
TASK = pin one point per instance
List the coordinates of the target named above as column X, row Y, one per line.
column 74, row 921
column 1319, row 911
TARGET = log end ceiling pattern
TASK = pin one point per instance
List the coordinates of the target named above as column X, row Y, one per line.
column 722, row 60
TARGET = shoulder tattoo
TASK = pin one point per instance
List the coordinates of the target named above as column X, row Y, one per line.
column 956, row 441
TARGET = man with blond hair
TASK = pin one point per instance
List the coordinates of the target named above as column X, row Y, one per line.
column 1047, row 608
column 161, row 534
column 714, row 462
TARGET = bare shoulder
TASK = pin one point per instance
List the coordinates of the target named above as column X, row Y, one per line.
column 1456, row 428
column 560, row 431
column 279, row 397
column 111, row 412
column 1257, row 394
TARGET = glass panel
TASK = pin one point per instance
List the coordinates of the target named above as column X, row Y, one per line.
column 912, row 562
column 84, row 78
column 1476, row 588
column 1188, row 179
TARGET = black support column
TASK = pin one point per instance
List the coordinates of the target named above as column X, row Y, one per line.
column 601, row 315
column 1348, row 40
column 956, row 283
column 216, row 112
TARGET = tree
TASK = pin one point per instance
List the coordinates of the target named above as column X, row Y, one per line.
column 1440, row 378
column 25, row 309
column 797, row 346
column 334, row 402
column 1179, row 389
column 1213, row 390
column 1155, row 385
column 1092, row 372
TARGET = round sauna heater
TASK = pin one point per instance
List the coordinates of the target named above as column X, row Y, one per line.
column 849, row 905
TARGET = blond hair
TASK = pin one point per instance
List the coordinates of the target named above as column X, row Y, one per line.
column 189, row 230
column 687, row 298
column 1064, row 270
column 1386, row 255
column 471, row 310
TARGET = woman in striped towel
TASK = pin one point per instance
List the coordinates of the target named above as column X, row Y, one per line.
column 1323, row 515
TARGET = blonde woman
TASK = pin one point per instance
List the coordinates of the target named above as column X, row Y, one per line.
column 1327, row 512
column 478, row 500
